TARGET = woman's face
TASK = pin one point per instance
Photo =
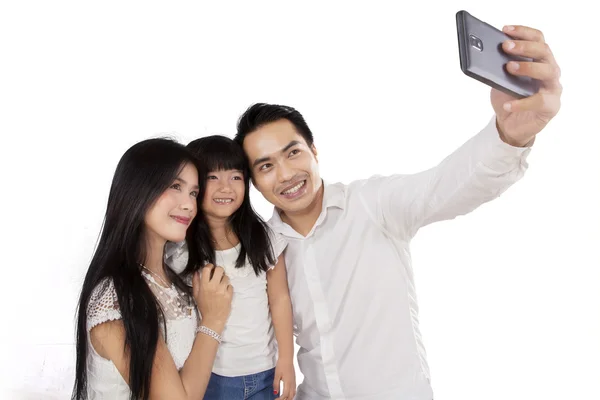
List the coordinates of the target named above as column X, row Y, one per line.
column 171, row 214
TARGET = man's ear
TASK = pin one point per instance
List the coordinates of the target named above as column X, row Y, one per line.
column 314, row 151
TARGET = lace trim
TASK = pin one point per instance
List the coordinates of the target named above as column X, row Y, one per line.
column 103, row 305
column 181, row 315
column 175, row 304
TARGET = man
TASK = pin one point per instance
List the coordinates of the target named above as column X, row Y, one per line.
column 348, row 257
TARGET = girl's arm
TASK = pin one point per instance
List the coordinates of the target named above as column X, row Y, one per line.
column 281, row 314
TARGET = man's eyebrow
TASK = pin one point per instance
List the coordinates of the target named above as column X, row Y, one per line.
column 290, row 145
column 286, row 148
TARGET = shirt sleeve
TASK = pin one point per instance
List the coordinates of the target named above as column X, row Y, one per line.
column 477, row 172
column 176, row 256
column 103, row 305
column 278, row 243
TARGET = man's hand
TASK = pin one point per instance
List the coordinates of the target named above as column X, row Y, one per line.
column 520, row 120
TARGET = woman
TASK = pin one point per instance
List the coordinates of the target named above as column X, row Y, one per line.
column 137, row 320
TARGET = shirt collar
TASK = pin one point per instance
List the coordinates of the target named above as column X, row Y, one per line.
column 334, row 195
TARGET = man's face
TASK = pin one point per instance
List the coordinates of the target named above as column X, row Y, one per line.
column 284, row 168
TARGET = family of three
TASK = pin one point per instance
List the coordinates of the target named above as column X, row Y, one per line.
column 191, row 295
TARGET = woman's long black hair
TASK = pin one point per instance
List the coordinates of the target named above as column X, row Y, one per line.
column 144, row 172
column 219, row 153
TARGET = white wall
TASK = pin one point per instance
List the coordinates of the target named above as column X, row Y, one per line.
column 509, row 300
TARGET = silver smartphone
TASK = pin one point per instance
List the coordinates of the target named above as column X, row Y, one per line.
column 482, row 57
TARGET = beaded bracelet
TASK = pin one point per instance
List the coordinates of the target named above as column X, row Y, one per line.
column 209, row 332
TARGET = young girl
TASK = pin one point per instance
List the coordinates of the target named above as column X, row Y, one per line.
column 247, row 365
column 137, row 320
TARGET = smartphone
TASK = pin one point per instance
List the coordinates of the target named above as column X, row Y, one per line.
column 482, row 57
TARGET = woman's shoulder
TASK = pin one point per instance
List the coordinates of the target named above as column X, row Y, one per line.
column 103, row 305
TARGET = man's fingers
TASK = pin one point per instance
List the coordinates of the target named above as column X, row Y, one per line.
column 541, row 102
column 524, row 33
column 525, row 48
column 530, row 43
column 536, row 70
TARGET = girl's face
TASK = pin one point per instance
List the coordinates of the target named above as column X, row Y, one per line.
column 171, row 214
column 224, row 194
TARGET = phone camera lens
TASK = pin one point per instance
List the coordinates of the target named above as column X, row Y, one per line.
column 476, row 42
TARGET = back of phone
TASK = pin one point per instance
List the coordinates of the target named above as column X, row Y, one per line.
column 482, row 57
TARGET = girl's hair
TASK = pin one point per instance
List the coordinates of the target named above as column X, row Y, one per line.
column 144, row 172
column 219, row 153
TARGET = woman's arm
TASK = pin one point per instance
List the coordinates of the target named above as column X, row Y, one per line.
column 166, row 382
column 214, row 299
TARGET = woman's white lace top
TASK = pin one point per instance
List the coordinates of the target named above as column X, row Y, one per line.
column 180, row 314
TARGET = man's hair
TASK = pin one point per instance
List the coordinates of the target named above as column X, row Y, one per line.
column 260, row 114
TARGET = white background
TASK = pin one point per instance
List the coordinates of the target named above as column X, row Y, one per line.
column 509, row 302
